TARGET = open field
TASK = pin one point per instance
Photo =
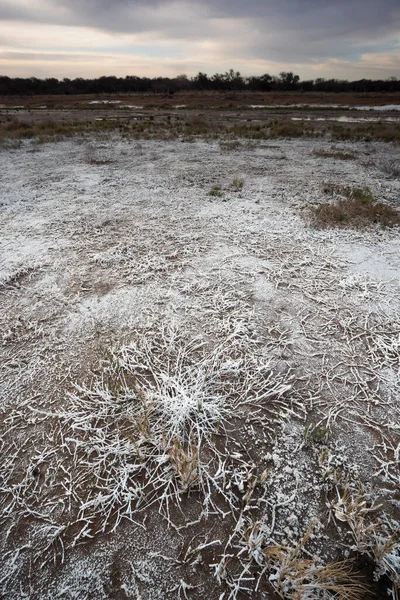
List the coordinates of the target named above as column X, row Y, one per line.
column 354, row 117
column 187, row 129
column 199, row 376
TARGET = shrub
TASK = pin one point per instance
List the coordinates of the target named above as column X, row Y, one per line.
column 238, row 183
column 215, row 191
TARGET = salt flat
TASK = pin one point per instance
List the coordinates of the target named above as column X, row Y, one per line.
column 122, row 280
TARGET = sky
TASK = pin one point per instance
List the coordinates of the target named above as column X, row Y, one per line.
column 345, row 39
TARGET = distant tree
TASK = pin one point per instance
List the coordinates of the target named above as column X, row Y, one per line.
column 182, row 82
column 201, row 81
column 307, row 86
column 266, row 82
column 218, row 82
column 288, row 81
column 230, row 80
column 233, row 80
column 319, row 84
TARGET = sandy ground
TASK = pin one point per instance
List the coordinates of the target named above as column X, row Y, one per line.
column 104, row 244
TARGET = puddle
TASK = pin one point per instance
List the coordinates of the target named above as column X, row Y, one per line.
column 386, row 107
column 296, row 106
column 105, row 102
column 350, row 119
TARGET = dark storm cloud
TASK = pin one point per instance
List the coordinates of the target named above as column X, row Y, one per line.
column 335, row 16
column 316, row 30
column 278, row 30
column 166, row 17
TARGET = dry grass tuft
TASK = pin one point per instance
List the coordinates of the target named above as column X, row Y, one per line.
column 215, row 191
column 353, row 207
column 292, row 572
column 185, row 462
column 367, row 133
column 197, row 126
column 290, row 129
column 336, row 155
column 236, row 145
column 146, row 431
column 50, row 130
column 237, row 184
column 370, row 535
column 299, row 579
column 391, row 168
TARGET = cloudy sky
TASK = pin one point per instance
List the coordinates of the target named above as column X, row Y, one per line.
column 88, row 38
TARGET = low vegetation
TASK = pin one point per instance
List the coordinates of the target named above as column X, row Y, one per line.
column 291, row 129
column 16, row 129
column 236, row 145
column 353, row 207
column 374, row 131
column 335, row 154
column 173, row 126
column 215, row 191
column 391, row 168
column 238, row 184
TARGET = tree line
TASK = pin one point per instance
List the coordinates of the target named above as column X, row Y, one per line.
column 229, row 81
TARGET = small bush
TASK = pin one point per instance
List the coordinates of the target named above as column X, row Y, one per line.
column 230, row 145
column 238, row 184
column 215, row 191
